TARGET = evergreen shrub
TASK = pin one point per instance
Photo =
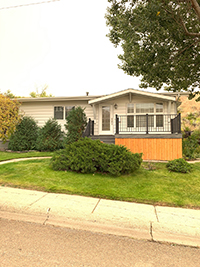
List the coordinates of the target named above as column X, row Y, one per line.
column 50, row 137
column 76, row 123
column 25, row 135
column 89, row 156
column 179, row 165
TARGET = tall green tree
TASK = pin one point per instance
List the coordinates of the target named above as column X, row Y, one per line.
column 160, row 41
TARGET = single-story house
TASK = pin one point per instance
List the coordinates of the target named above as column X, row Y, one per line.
column 144, row 122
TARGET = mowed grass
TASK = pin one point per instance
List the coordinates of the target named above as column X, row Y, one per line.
column 16, row 155
column 159, row 186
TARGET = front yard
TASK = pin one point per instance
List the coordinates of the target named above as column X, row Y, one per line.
column 152, row 183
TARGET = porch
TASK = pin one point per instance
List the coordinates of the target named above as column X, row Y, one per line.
column 141, row 124
column 158, row 137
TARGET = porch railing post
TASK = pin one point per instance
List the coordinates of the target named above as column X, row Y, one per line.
column 93, row 127
column 89, row 126
column 117, row 124
column 179, row 123
column 172, row 126
column 147, row 124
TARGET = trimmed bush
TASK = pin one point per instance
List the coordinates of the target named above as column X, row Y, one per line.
column 76, row 123
column 50, row 137
column 25, row 135
column 179, row 165
column 89, row 156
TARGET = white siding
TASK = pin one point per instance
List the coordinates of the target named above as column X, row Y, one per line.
column 42, row 111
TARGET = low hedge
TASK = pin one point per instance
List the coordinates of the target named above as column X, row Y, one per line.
column 179, row 165
column 89, row 156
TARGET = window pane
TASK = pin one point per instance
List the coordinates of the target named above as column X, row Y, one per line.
column 159, row 107
column 151, row 121
column 145, row 108
column 130, row 108
column 159, row 120
column 58, row 113
column 141, row 121
column 130, row 121
column 106, row 118
column 67, row 110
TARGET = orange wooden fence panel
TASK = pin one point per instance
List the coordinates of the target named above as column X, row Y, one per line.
column 153, row 148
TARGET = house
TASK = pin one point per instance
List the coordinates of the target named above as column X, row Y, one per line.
column 142, row 121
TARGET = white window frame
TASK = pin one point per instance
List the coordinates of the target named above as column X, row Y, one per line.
column 156, row 111
column 64, row 116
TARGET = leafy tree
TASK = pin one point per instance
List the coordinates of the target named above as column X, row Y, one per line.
column 25, row 135
column 9, row 94
column 42, row 94
column 9, row 116
column 160, row 41
column 76, row 123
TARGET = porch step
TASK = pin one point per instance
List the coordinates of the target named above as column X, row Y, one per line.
column 108, row 139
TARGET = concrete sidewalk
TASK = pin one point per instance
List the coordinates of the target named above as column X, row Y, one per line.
column 175, row 225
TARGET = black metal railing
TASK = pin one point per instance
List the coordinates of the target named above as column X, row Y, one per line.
column 148, row 123
column 89, row 130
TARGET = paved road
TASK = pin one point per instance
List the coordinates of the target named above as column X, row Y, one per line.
column 30, row 244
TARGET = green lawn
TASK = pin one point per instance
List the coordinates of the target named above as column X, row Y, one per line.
column 15, row 155
column 157, row 186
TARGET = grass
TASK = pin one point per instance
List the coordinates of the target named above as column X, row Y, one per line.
column 157, row 186
column 16, row 155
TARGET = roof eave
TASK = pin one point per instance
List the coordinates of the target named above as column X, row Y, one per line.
column 56, row 99
column 132, row 91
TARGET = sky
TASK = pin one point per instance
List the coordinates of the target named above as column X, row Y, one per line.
column 61, row 44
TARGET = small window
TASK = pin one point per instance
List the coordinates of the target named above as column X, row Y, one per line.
column 145, row 108
column 58, row 113
column 130, row 108
column 159, row 107
column 130, row 121
column 67, row 110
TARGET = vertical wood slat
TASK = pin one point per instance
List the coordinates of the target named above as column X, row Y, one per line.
column 153, row 148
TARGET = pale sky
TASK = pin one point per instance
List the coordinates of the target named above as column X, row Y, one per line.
column 62, row 44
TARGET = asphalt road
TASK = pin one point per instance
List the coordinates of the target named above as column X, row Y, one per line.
column 31, row 244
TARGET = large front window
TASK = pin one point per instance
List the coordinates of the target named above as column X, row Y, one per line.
column 137, row 115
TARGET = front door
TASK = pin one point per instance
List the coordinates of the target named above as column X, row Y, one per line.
column 106, row 119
